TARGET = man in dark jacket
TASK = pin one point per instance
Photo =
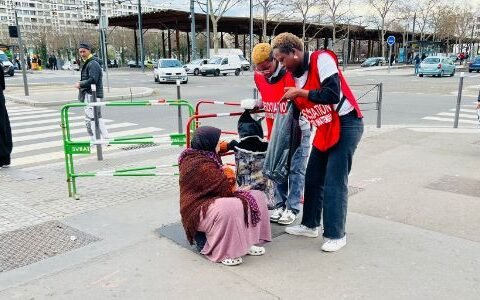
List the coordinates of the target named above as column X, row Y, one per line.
column 5, row 130
column 91, row 73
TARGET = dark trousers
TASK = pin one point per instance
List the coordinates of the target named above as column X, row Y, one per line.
column 326, row 180
column 5, row 133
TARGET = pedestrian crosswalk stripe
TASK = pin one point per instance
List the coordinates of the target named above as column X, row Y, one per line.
column 51, row 156
column 461, row 115
column 49, row 127
column 26, row 113
column 22, row 109
column 58, row 143
column 465, row 110
column 57, row 114
column 59, row 132
column 47, row 121
column 449, row 120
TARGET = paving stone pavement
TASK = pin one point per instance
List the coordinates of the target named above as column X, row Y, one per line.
column 26, row 202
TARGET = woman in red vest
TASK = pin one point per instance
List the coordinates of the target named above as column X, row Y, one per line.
column 325, row 99
column 271, row 79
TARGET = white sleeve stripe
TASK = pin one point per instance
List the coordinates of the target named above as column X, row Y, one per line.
column 326, row 66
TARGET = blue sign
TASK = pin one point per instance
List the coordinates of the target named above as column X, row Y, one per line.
column 391, row 40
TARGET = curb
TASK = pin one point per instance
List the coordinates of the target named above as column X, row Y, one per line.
column 35, row 103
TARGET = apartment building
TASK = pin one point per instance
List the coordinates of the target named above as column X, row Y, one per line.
column 64, row 13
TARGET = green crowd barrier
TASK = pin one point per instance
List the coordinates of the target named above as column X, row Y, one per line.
column 83, row 147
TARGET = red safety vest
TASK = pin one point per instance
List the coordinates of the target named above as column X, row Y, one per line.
column 322, row 116
column 272, row 94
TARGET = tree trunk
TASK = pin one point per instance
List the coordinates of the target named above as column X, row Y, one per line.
column 215, row 38
column 382, row 38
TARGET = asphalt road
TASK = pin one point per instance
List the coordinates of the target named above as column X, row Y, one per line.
column 407, row 100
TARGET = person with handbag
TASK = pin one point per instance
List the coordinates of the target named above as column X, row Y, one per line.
column 271, row 78
column 324, row 97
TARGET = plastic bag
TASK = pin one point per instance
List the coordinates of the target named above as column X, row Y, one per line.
column 248, row 126
column 284, row 140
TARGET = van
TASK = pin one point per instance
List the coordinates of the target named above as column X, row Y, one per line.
column 227, row 64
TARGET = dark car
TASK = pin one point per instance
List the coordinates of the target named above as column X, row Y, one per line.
column 474, row 65
column 374, row 61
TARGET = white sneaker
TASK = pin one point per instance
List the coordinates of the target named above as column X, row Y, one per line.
column 287, row 218
column 302, row 230
column 276, row 214
column 332, row 245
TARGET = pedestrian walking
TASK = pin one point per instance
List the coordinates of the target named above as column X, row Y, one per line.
column 91, row 73
column 324, row 97
column 271, row 79
column 29, row 62
column 417, row 63
column 6, row 143
column 54, row 62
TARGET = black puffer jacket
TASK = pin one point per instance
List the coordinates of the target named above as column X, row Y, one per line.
column 91, row 74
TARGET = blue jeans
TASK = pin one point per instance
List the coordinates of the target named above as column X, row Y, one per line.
column 417, row 66
column 288, row 194
column 326, row 180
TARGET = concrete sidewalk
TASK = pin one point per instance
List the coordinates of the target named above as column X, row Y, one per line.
column 47, row 95
column 413, row 232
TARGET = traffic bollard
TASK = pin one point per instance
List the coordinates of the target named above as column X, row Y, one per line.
column 459, row 100
column 180, row 122
column 96, row 111
column 379, row 104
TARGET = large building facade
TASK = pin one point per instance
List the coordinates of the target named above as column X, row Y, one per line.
column 33, row 14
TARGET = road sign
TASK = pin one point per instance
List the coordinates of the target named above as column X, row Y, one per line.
column 391, row 40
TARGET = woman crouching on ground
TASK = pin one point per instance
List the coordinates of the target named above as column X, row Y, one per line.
column 233, row 221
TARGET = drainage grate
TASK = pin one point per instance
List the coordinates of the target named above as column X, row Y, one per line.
column 457, row 185
column 140, row 146
column 34, row 243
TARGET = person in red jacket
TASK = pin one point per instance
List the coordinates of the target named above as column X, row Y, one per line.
column 271, row 79
column 323, row 96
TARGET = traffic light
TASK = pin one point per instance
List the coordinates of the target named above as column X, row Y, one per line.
column 12, row 31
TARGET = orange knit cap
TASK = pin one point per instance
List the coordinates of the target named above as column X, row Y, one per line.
column 261, row 52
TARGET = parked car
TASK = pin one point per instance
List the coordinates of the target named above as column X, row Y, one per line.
column 374, row 61
column 244, row 63
column 453, row 57
column 436, row 66
column 194, row 66
column 474, row 65
column 222, row 65
column 8, row 67
column 70, row 66
column 169, row 70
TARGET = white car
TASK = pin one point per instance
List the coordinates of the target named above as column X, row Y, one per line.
column 244, row 62
column 169, row 70
column 70, row 66
column 194, row 66
column 222, row 65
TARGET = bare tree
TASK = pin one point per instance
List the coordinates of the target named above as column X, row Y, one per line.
column 271, row 11
column 307, row 10
column 216, row 13
column 424, row 9
column 336, row 11
column 464, row 25
column 382, row 9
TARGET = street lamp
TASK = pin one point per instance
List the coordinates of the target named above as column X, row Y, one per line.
column 265, row 3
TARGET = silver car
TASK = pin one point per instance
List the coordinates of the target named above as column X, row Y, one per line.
column 436, row 66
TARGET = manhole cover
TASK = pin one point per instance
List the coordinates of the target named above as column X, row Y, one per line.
column 28, row 245
column 457, row 185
